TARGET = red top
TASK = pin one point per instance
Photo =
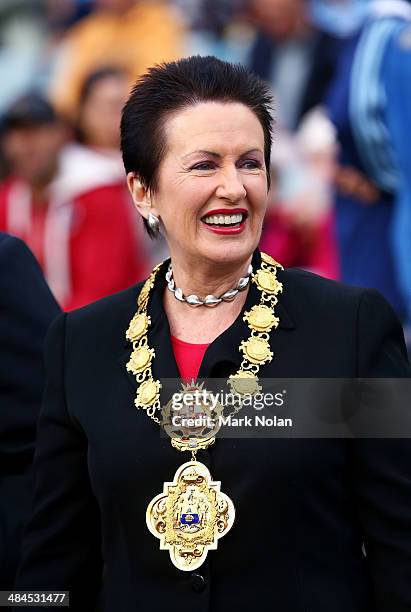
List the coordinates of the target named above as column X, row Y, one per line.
column 188, row 357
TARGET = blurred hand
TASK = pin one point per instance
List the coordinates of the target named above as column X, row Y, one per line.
column 351, row 182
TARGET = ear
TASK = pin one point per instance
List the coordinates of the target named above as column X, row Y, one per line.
column 140, row 194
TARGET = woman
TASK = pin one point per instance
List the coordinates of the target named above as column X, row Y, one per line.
column 196, row 146
column 92, row 181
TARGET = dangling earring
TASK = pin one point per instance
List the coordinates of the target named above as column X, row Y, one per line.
column 153, row 223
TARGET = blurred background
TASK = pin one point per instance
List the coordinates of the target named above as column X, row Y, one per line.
column 66, row 67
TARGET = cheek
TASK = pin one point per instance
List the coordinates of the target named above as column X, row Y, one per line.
column 257, row 195
column 188, row 199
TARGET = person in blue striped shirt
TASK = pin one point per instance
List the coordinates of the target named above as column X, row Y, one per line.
column 370, row 104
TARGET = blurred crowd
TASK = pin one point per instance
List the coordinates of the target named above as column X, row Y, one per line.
column 340, row 202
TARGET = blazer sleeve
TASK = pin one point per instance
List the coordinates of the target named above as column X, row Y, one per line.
column 61, row 544
column 381, row 467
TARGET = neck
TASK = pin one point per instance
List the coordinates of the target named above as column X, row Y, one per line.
column 201, row 325
column 39, row 194
column 205, row 278
column 39, row 187
column 204, row 324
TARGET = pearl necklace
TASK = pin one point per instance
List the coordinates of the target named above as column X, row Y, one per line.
column 210, row 300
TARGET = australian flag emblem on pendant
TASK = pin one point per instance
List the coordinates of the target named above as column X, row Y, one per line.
column 190, row 518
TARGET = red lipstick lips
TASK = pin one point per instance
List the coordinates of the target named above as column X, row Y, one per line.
column 226, row 229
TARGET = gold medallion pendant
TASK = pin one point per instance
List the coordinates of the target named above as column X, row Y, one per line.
column 190, row 516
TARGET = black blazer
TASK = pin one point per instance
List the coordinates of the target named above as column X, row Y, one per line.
column 304, row 507
column 26, row 310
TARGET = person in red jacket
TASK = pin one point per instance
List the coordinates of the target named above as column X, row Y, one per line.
column 69, row 206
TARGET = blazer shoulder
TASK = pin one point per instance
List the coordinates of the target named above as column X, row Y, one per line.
column 104, row 307
column 107, row 314
column 11, row 245
column 363, row 314
column 310, row 299
column 21, row 276
column 318, row 291
column 16, row 259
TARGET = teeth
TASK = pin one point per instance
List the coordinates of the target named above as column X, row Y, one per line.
column 223, row 219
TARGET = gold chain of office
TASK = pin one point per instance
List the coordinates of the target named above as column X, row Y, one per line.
column 191, row 513
column 261, row 320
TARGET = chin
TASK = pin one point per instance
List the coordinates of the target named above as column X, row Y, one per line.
column 230, row 251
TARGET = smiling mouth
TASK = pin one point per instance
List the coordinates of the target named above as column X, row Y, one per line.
column 232, row 220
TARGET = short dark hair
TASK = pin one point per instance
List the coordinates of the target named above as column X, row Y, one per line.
column 169, row 87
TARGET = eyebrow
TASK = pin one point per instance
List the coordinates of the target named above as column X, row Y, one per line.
column 217, row 155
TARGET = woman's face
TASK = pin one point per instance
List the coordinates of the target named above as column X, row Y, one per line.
column 100, row 115
column 212, row 185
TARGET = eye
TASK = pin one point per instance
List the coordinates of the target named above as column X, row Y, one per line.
column 205, row 165
column 250, row 164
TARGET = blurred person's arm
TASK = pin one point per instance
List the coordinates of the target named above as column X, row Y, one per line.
column 397, row 82
column 61, row 547
column 106, row 254
column 27, row 308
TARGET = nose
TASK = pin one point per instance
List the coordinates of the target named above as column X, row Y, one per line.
column 230, row 186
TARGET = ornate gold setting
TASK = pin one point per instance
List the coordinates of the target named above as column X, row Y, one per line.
column 194, row 425
column 140, row 359
column 190, row 516
column 256, row 350
column 269, row 260
column 192, row 443
column 148, row 389
column 261, row 318
column 267, row 281
column 148, row 393
column 145, row 291
column 138, row 327
column 244, row 383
